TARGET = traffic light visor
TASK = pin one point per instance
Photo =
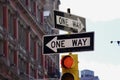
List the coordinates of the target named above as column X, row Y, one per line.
column 67, row 61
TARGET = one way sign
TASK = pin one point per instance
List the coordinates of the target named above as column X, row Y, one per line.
column 68, row 43
column 69, row 22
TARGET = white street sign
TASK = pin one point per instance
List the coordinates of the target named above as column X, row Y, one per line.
column 55, row 44
column 68, row 43
column 76, row 24
column 69, row 22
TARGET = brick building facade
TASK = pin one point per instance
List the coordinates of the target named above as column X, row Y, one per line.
column 22, row 26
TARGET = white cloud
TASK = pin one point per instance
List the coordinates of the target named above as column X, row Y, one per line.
column 104, row 66
column 95, row 10
column 103, row 71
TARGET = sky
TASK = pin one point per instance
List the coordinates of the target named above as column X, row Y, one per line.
column 102, row 17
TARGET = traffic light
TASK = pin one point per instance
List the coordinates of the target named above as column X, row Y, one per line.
column 69, row 64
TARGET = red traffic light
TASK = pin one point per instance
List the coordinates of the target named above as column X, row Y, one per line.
column 67, row 76
column 67, row 61
column 69, row 65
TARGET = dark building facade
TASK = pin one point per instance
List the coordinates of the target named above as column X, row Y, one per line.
column 88, row 75
column 22, row 26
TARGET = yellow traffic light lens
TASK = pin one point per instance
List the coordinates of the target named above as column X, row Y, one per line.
column 67, row 62
column 67, row 76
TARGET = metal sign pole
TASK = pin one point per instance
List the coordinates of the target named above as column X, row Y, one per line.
column 68, row 11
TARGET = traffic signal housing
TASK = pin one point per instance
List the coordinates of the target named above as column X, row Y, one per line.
column 69, row 65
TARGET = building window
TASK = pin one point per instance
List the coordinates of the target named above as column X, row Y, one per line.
column 10, row 23
column 54, row 5
column 40, row 76
column 32, row 72
column 48, row 29
column 11, row 57
column 32, row 4
column 22, row 63
column 1, row 14
column 22, row 35
column 41, row 16
column 38, row 14
column 26, row 3
column 23, row 1
column 1, row 48
column 32, row 45
column 40, row 60
column 46, row 61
